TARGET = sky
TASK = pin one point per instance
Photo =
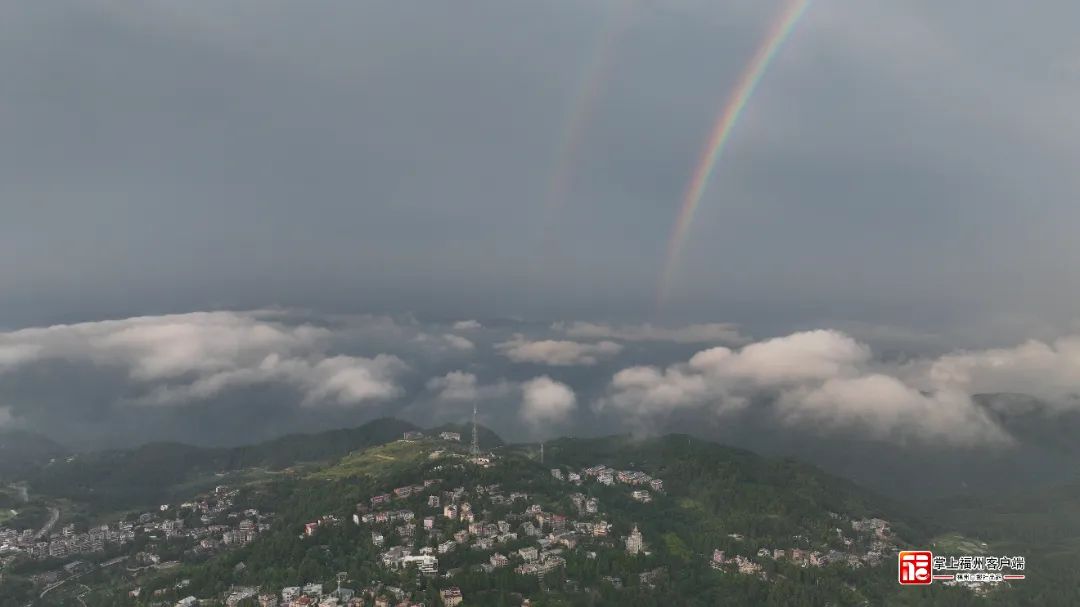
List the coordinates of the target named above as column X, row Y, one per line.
column 897, row 198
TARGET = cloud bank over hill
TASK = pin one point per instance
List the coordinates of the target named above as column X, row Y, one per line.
column 821, row 382
column 817, row 380
column 180, row 358
column 557, row 353
column 720, row 333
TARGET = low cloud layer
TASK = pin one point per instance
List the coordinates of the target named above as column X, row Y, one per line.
column 715, row 333
column 306, row 366
column 557, row 353
column 337, row 380
column 163, row 347
column 821, row 380
column 446, row 341
column 459, row 386
column 454, row 386
column 1046, row 370
column 180, row 358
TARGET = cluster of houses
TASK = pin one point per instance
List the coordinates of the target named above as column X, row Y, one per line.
column 67, row 542
column 872, row 534
column 221, row 526
column 414, row 526
column 314, row 595
column 221, row 523
column 604, row 475
column 532, row 541
column 415, row 435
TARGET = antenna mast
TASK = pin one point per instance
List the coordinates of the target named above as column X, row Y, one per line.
column 475, row 438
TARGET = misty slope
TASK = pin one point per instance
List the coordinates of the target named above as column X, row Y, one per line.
column 22, row 451
column 1045, row 452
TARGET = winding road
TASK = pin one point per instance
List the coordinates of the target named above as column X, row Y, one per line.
column 54, row 515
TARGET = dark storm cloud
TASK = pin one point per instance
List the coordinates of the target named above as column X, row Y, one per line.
column 898, row 163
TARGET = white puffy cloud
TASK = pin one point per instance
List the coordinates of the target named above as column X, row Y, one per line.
column 467, row 325
column 545, row 400
column 823, row 379
column 719, row 333
column 458, row 342
column 811, row 355
column 455, row 385
column 348, row 380
column 185, row 357
column 649, row 390
column 559, row 353
column 162, row 347
column 446, row 341
column 460, row 386
column 342, row 380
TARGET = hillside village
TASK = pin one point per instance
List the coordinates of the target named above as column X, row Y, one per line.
column 208, row 524
column 430, row 530
column 417, row 526
column 430, row 535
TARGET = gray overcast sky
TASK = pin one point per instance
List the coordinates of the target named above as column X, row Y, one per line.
column 908, row 164
column 346, row 182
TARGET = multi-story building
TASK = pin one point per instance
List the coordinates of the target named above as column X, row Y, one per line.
column 635, row 544
column 451, row 597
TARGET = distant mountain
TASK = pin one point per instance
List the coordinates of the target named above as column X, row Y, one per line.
column 292, row 449
column 22, row 451
column 148, row 474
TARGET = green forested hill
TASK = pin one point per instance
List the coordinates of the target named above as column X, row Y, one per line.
column 713, row 498
column 718, row 480
column 146, row 475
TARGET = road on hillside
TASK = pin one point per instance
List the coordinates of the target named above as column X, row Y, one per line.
column 54, row 515
column 55, row 585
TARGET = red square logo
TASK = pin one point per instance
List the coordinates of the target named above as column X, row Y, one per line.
column 916, row 567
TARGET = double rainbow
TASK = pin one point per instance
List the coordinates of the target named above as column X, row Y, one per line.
column 729, row 116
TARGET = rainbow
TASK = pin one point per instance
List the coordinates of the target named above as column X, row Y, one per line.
column 729, row 116
column 591, row 82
